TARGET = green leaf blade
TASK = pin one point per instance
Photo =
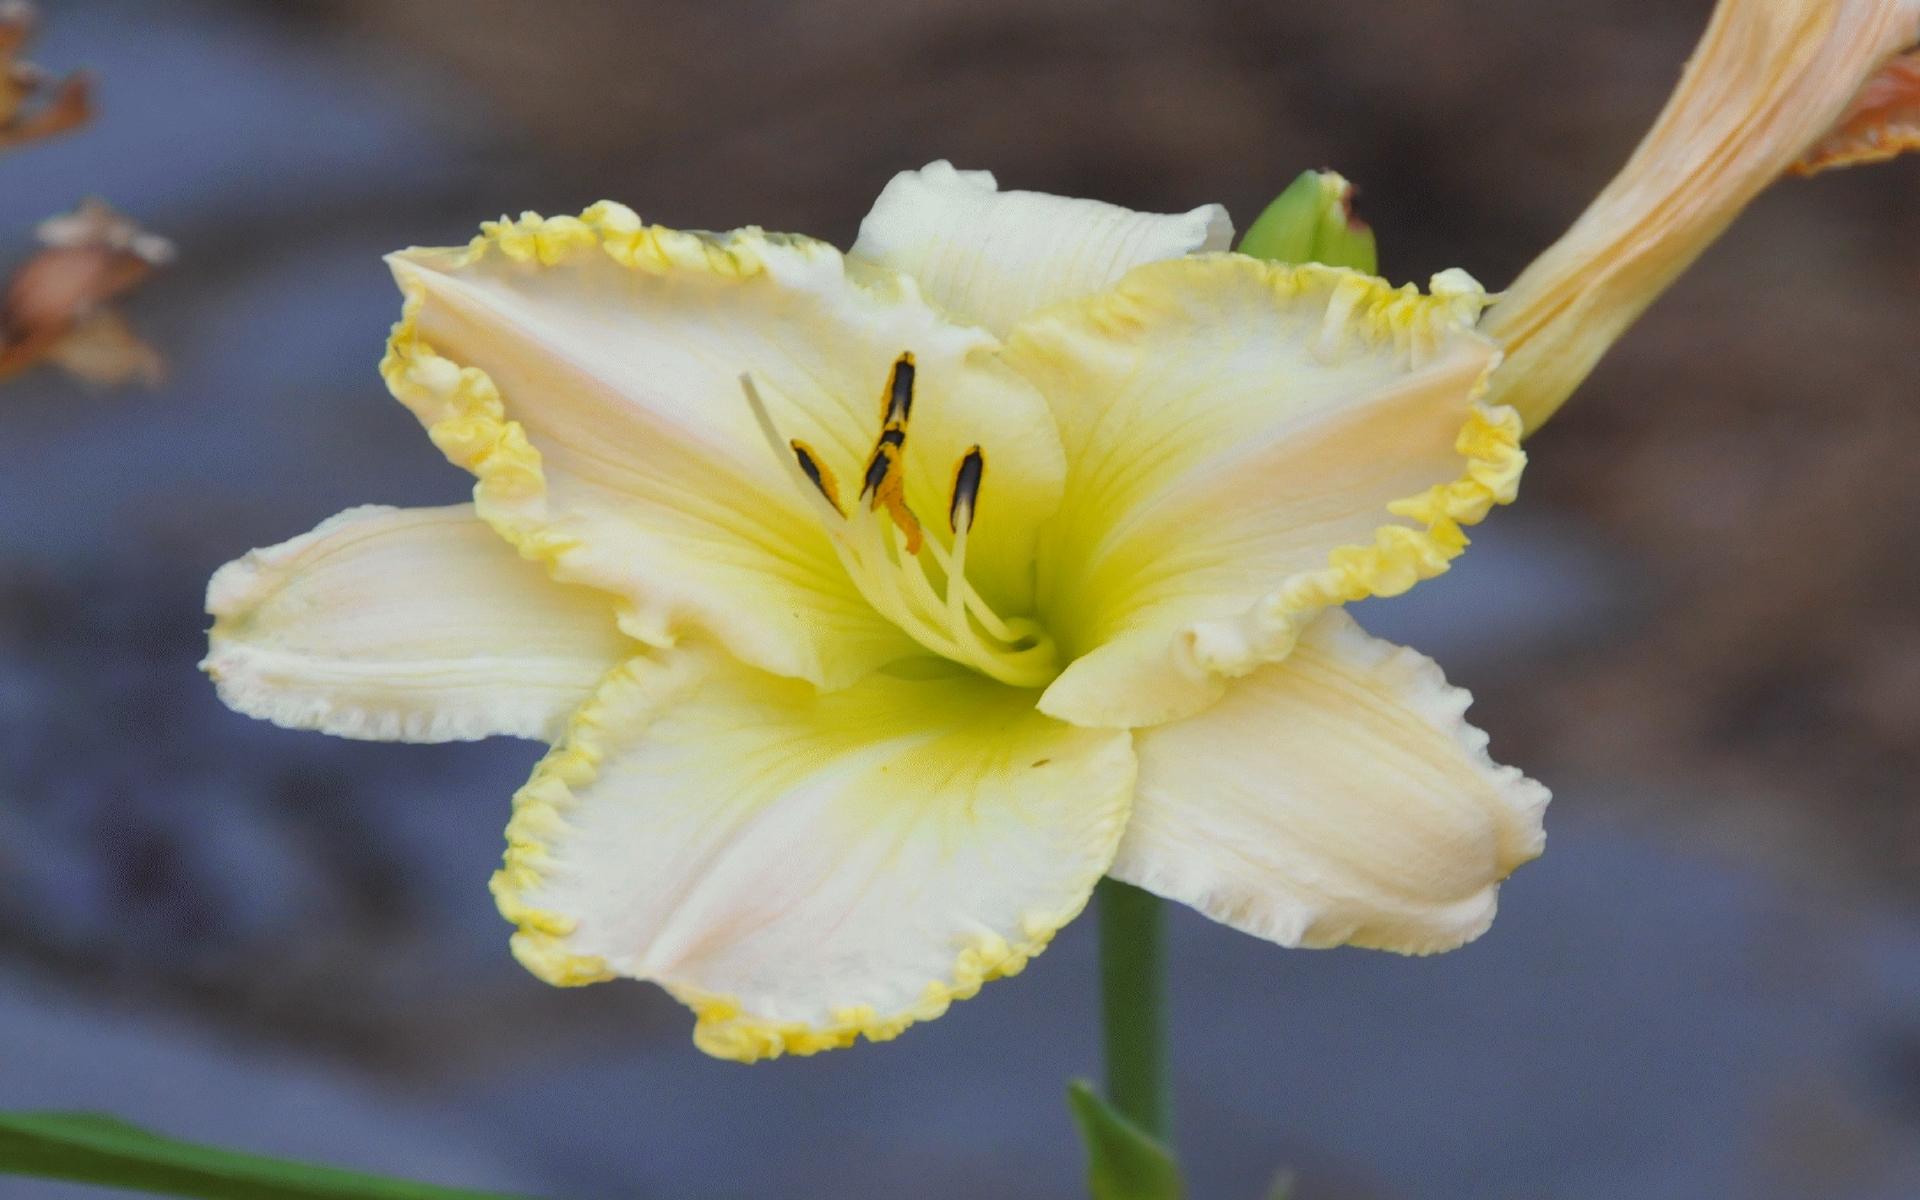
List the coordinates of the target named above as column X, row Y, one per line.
column 1123, row 1163
column 94, row 1148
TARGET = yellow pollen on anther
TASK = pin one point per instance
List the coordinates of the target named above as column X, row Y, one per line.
column 896, row 402
column 886, row 471
column 891, row 495
column 818, row 473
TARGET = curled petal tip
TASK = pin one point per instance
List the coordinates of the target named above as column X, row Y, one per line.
column 1884, row 121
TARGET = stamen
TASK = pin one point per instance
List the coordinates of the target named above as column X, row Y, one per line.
column 896, row 403
column 885, row 479
column 966, row 489
column 952, row 620
column 891, row 495
column 818, row 472
column 879, row 466
column 794, row 469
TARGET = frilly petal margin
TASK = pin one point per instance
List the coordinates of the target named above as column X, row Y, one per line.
column 1399, row 556
column 411, row 625
column 587, row 371
column 1338, row 797
column 804, row 868
column 1250, row 443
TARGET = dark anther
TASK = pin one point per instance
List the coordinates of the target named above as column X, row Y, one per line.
column 966, row 489
column 899, row 398
column 877, row 469
column 816, row 471
column 884, row 480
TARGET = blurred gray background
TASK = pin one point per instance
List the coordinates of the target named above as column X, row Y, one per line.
column 1700, row 625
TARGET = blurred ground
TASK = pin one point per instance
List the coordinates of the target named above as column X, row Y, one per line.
column 1700, row 624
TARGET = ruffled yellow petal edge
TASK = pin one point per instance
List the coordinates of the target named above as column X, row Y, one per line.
column 461, row 406
column 631, row 694
column 724, row 1030
column 1400, row 556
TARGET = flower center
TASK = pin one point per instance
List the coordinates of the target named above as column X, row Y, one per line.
column 910, row 578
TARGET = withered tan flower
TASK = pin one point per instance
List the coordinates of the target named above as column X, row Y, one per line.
column 56, row 306
column 33, row 103
column 1883, row 122
column 1770, row 80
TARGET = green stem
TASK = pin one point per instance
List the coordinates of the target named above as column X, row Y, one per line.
column 1133, row 1004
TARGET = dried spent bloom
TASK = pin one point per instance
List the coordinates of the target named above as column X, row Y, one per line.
column 33, row 104
column 876, row 604
column 1770, row 79
column 56, row 305
column 1883, row 122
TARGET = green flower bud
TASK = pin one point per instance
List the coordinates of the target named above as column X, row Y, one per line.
column 1313, row 221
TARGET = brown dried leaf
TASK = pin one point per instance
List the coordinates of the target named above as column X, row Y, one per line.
column 32, row 104
column 55, row 309
column 69, row 107
column 101, row 349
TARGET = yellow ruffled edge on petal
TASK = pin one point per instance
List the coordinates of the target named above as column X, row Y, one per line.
column 629, row 696
column 724, row 1030
column 461, row 406
column 1400, row 555
column 539, row 812
column 627, row 239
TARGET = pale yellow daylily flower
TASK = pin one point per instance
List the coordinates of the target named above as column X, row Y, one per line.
column 1769, row 80
column 853, row 701
column 878, row 604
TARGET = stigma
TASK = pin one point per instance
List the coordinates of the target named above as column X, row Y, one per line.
column 914, row 580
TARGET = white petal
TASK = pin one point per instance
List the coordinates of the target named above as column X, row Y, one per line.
column 414, row 625
column 992, row 257
column 588, row 371
column 805, row 867
column 1336, row 797
column 1249, row 443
